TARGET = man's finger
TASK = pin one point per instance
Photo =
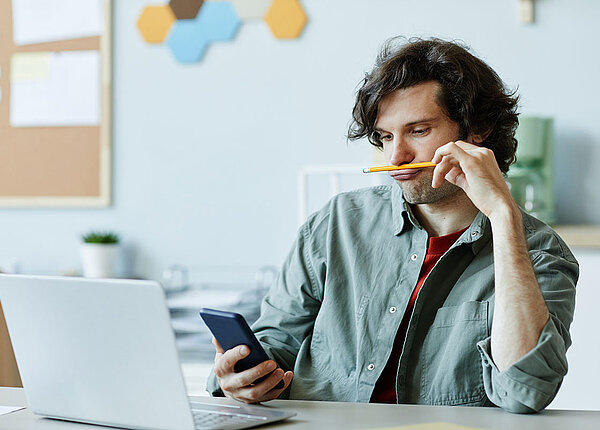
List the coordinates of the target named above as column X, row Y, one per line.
column 275, row 393
column 273, row 379
column 287, row 378
column 232, row 356
column 248, row 377
column 259, row 392
column 453, row 175
column 466, row 145
column 265, row 390
column 453, row 149
column 445, row 165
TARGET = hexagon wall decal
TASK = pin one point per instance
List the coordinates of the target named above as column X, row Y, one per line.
column 251, row 9
column 286, row 18
column 188, row 27
column 186, row 9
column 218, row 20
column 155, row 22
column 187, row 41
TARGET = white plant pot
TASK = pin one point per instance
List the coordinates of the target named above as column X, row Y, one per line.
column 99, row 260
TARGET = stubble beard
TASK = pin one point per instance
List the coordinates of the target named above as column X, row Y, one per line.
column 419, row 190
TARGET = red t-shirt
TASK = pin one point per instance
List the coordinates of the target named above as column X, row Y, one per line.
column 385, row 388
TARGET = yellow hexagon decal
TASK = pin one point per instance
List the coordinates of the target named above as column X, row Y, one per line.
column 286, row 19
column 155, row 22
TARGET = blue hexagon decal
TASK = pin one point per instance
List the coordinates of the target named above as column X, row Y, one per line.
column 187, row 40
column 219, row 21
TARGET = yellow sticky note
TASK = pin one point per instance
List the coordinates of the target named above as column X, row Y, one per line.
column 431, row 426
column 29, row 66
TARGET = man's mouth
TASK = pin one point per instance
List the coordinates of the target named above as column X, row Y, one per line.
column 404, row 175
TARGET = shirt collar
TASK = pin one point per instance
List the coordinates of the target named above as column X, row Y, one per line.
column 401, row 211
column 478, row 233
column 399, row 208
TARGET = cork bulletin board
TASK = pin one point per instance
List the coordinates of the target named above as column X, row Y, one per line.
column 61, row 164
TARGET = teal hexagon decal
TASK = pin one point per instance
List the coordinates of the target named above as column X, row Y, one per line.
column 187, row 40
column 219, row 21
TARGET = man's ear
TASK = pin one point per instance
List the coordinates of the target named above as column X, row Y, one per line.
column 477, row 139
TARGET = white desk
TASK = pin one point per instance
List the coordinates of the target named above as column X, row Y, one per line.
column 330, row 415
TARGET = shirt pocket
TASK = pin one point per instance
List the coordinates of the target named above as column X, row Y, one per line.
column 451, row 366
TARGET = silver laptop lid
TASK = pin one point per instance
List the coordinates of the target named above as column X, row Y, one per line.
column 98, row 351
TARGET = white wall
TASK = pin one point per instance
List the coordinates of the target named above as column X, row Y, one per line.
column 580, row 387
column 263, row 107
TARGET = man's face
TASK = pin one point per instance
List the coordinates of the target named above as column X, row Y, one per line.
column 411, row 126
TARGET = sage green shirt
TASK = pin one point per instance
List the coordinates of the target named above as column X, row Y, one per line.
column 334, row 311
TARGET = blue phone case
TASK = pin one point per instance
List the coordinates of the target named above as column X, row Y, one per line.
column 231, row 329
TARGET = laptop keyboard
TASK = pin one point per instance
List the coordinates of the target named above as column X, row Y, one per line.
column 216, row 420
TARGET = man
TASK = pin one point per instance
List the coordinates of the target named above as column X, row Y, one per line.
column 436, row 291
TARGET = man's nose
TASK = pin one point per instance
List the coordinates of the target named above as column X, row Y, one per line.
column 401, row 154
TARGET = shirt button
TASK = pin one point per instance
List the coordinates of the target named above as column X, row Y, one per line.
column 414, row 257
column 393, row 309
column 474, row 233
column 371, row 366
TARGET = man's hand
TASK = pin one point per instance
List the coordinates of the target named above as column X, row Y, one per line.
column 475, row 170
column 240, row 386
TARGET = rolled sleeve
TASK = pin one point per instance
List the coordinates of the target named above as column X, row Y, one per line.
column 530, row 384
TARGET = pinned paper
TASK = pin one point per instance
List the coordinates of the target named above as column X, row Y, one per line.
column 28, row 66
column 55, row 89
column 432, row 426
column 36, row 21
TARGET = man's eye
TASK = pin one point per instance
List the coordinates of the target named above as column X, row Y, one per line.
column 420, row 131
column 386, row 138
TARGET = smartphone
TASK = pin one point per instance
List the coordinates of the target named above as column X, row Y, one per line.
column 231, row 329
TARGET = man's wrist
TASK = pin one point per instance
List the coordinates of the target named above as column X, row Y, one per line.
column 506, row 215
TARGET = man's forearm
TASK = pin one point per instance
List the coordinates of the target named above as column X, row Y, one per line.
column 520, row 311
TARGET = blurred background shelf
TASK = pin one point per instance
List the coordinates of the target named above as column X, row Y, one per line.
column 229, row 288
column 580, row 236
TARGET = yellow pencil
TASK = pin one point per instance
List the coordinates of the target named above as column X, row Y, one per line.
column 400, row 167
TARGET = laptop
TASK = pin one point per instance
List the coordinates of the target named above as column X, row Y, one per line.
column 102, row 351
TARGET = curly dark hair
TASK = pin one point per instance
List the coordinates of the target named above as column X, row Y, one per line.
column 471, row 93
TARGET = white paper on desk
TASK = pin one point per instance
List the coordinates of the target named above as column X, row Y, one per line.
column 39, row 21
column 8, row 409
column 55, row 89
column 196, row 299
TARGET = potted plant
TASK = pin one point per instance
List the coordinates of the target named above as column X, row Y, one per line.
column 99, row 253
